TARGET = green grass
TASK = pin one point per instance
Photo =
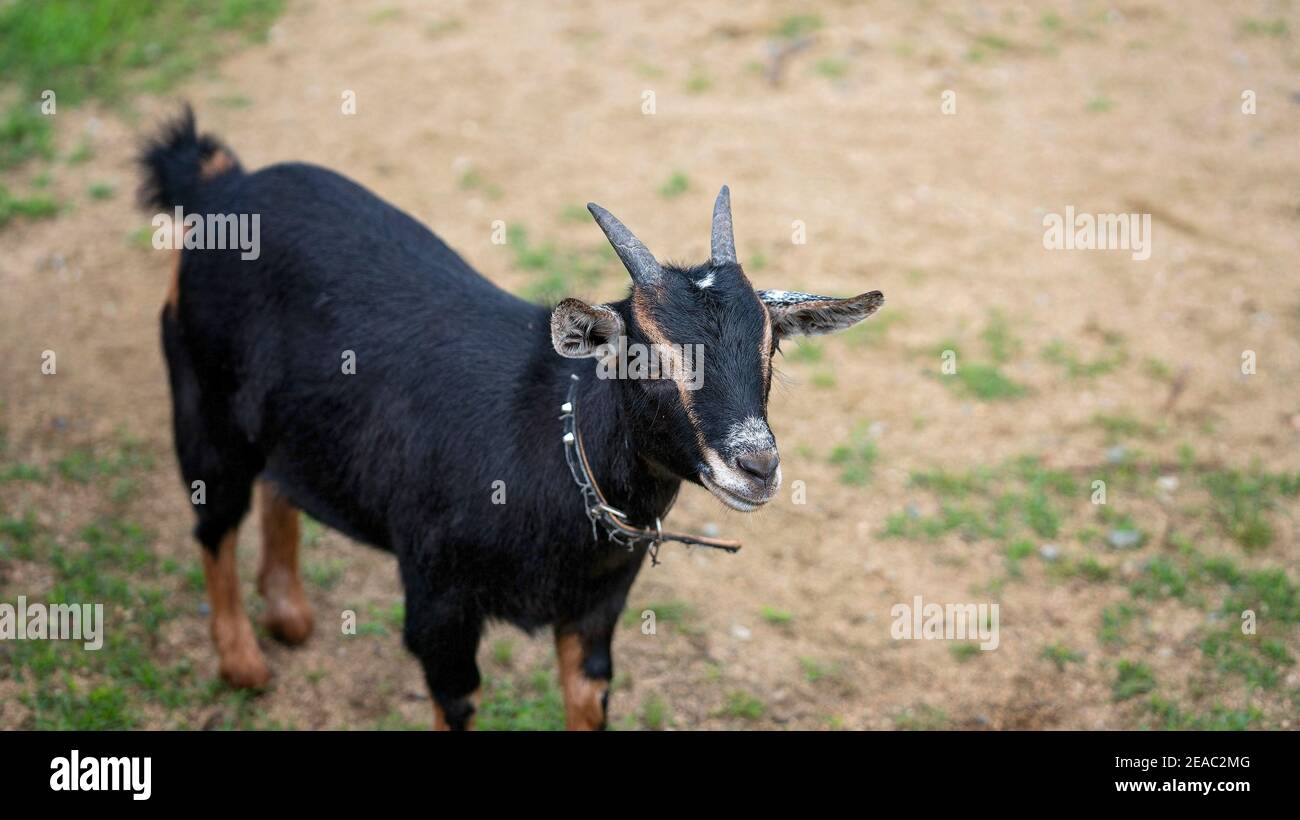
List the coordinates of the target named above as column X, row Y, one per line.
column 24, row 134
column 1132, row 679
column 557, row 273
column 101, row 190
column 814, row 670
column 743, row 706
column 676, row 185
column 806, row 351
column 1061, row 655
column 1115, row 620
column 666, row 612
column 823, row 380
column 1160, row 578
column 110, row 561
column 473, row 180
column 777, row 617
column 985, row 382
column 1243, row 499
column 1122, row 425
column 1056, row 352
column 1016, row 552
column 922, row 719
column 1001, row 342
column 532, row 704
column 798, row 25
column 85, row 50
column 105, row 50
column 856, row 459
column 698, row 82
column 1264, row 28
column 963, row 652
column 324, row 574
column 84, row 464
column 1218, row 719
column 503, row 653
column 34, row 207
column 1016, row 499
column 654, row 713
column 832, row 68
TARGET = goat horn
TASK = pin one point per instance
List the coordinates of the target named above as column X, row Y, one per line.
column 636, row 256
column 723, row 242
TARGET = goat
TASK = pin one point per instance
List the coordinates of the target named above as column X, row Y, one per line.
column 453, row 397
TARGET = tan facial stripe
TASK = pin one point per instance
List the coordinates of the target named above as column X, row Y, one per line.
column 656, row 336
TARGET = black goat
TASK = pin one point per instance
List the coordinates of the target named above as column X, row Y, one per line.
column 451, row 402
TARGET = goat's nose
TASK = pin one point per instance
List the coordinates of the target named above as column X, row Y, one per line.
column 761, row 465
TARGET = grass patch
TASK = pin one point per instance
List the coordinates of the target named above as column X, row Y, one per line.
column 1115, row 620
column 743, row 706
column 101, row 190
column 1254, row 27
column 111, row 47
column 832, row 68
column 676, row 185
column 557, row 272
column 777, row 617
column 106, row 50
column 1056, row 352
column 33, row 207
column 1242, row 500
column 534, row 704
column 985, row 382
column 855, row 459
column 666, row 612
column 798, row 25
column 922, row 719
column 654, row 713
column 24, row 134
column 963, row 652
column 1061, row 655
column 1132, row 679
column 1218, row 719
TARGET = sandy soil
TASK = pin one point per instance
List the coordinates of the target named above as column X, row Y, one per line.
column 1129, row 106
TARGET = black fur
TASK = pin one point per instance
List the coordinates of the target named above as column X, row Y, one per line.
column 456, row 387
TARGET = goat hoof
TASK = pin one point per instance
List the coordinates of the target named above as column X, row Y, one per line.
column 245, row 670
column 289, row 622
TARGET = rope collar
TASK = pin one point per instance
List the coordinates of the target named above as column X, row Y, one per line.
column 613, row 521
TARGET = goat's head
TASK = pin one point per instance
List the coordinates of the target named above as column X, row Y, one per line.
column 702, row 413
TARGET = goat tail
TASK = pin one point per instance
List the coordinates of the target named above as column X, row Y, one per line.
column 178, row 162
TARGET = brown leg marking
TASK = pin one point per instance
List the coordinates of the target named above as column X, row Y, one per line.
column 242, row 663
column 584, row 698
column 440, row 723
column 288, row 615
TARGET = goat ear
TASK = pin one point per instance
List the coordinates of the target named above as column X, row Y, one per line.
column 805, row 314
column 580, row 330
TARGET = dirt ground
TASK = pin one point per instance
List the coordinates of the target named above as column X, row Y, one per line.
column 468, row 113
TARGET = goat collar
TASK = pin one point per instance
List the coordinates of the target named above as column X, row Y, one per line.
column 614, row 522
